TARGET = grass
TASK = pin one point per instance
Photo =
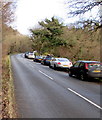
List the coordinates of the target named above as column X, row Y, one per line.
column 8, row 98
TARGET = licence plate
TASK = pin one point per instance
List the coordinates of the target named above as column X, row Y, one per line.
column 96, row 71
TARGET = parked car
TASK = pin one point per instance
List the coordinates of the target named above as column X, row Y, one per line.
column 60, row 63
column 31, row 55
column 38, row 59
column 46, row 60
column 86, row 69
column 26, row 54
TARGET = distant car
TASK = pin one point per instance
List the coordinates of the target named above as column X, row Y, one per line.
column 46, row 60
column 86, row 69
column 31, row 55
column 60, row 63
column 26, row 54
column 38, row 59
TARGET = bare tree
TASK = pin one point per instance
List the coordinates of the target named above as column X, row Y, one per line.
column 7, row 11
column 81, row 7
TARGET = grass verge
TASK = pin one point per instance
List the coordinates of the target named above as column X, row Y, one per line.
column 8, row 98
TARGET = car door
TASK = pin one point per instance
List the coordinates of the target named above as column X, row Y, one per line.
column 81, row 68
column 74, row 68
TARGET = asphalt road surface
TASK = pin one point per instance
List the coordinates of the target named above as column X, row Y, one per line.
column 42, row 92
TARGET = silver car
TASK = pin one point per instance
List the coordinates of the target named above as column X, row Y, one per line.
column 60, row 63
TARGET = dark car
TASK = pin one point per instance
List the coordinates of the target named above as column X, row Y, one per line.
column 46, row 60
column 86, row 69
column 38, row 59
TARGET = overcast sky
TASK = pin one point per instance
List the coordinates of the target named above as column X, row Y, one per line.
column 29, row 12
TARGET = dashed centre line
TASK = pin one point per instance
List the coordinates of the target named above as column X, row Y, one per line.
column 46, row 75
column 86, row 99
column 81, row 96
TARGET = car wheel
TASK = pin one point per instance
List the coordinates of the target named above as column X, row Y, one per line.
column 44, row 63
column 50, row 66
column 82, row 76
column 55, row 67
column 70, row 74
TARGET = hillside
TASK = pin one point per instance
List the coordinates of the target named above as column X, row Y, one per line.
column 82, row 44
column 13, row 41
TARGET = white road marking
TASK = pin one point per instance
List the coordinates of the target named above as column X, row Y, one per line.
column 46, row 75
column 85, row 98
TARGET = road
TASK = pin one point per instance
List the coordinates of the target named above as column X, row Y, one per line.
column 42, row 92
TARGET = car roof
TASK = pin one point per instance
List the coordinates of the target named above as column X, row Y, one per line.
column 61, row 58
column 48, row 56
column 87, row 61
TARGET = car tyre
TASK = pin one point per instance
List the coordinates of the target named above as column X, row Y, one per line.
column 70, row 74
column 55, row 67
column 82, row 77
column 44, row 63
column 50, row 66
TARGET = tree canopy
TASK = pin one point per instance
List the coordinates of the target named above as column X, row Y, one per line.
column 48, row 34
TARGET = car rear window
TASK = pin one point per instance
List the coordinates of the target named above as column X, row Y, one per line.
column 30, row 53
column 96, row 65
column 40, row 57
column 63, row 60
column 49, row 58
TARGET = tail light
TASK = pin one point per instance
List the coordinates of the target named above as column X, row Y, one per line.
column 58, row 63
column 70, row 63
column 86, row 66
